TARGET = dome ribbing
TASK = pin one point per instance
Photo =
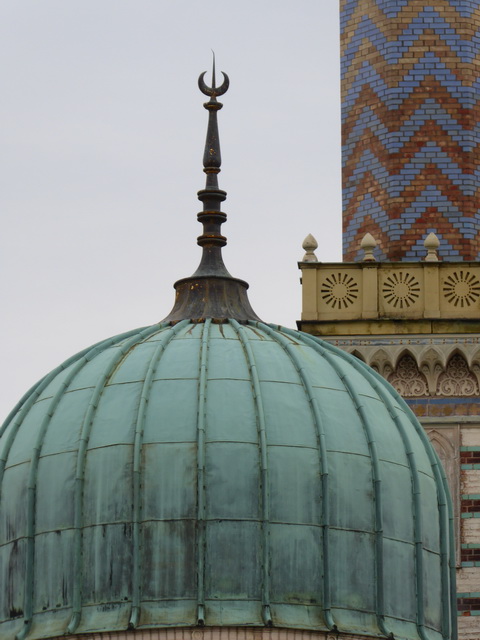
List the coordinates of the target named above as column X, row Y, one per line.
column 220, row 474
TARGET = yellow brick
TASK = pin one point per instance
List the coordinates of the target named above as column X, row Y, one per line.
column 469, row 627
column 468, row 579
column 471, row 437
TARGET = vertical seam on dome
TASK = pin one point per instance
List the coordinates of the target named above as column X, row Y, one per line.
column 445, row 509
column 201, row 497
column 80, row 472
column 240, row 331
column 325, row 524
column 80, row 361
column 137, row 451
column 376, row 481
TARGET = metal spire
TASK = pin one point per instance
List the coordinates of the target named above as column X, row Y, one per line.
column 212, row 158
column 212, row 217
column 211, row 292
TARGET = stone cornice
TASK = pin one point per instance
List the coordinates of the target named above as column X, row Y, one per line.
column 219, row 633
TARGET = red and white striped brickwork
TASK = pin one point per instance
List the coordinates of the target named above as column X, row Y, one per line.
column 468, row 578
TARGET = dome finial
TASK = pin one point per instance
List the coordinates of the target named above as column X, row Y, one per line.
column 211, row 292
column 213, row 91
column 212, row 218
column 212, row 158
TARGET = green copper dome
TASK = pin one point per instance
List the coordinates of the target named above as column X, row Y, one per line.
column 220, row 474
column 214, row 470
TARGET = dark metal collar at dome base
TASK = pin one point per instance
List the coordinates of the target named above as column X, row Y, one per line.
column 211, row 292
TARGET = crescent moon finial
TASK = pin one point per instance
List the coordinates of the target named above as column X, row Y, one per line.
column 213, row 91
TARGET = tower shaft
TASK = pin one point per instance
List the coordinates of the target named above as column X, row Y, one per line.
column 410, row 126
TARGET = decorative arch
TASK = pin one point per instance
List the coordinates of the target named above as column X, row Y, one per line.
column 358, row 355
column 381, row 361
column 402, row 353
column 457, row 379
column 442, row 445
column 446, row 443
column 407, row 378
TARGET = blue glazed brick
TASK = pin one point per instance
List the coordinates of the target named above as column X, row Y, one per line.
column 421, row 177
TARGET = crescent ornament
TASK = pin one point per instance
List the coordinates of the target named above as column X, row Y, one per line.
column 213, row 91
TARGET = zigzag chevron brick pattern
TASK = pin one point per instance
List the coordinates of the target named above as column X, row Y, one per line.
column 411, row 124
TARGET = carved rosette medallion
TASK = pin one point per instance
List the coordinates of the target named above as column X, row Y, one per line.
column 339, row 290
column 401, row 289
column 461, row 288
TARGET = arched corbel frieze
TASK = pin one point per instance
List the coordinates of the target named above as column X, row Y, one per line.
column 437, row 370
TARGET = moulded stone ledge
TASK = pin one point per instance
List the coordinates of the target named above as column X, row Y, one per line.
column 217, row 633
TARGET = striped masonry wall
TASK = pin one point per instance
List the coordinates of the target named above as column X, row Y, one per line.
column 468, row 578
column 468, row 467
column 410, row 80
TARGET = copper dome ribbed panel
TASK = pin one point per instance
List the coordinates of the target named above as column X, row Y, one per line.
column 220, row 474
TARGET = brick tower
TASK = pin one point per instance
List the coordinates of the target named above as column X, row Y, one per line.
column 406, row 298
column 410, row 127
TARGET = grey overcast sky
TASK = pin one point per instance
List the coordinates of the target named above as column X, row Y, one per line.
column 101, row 157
